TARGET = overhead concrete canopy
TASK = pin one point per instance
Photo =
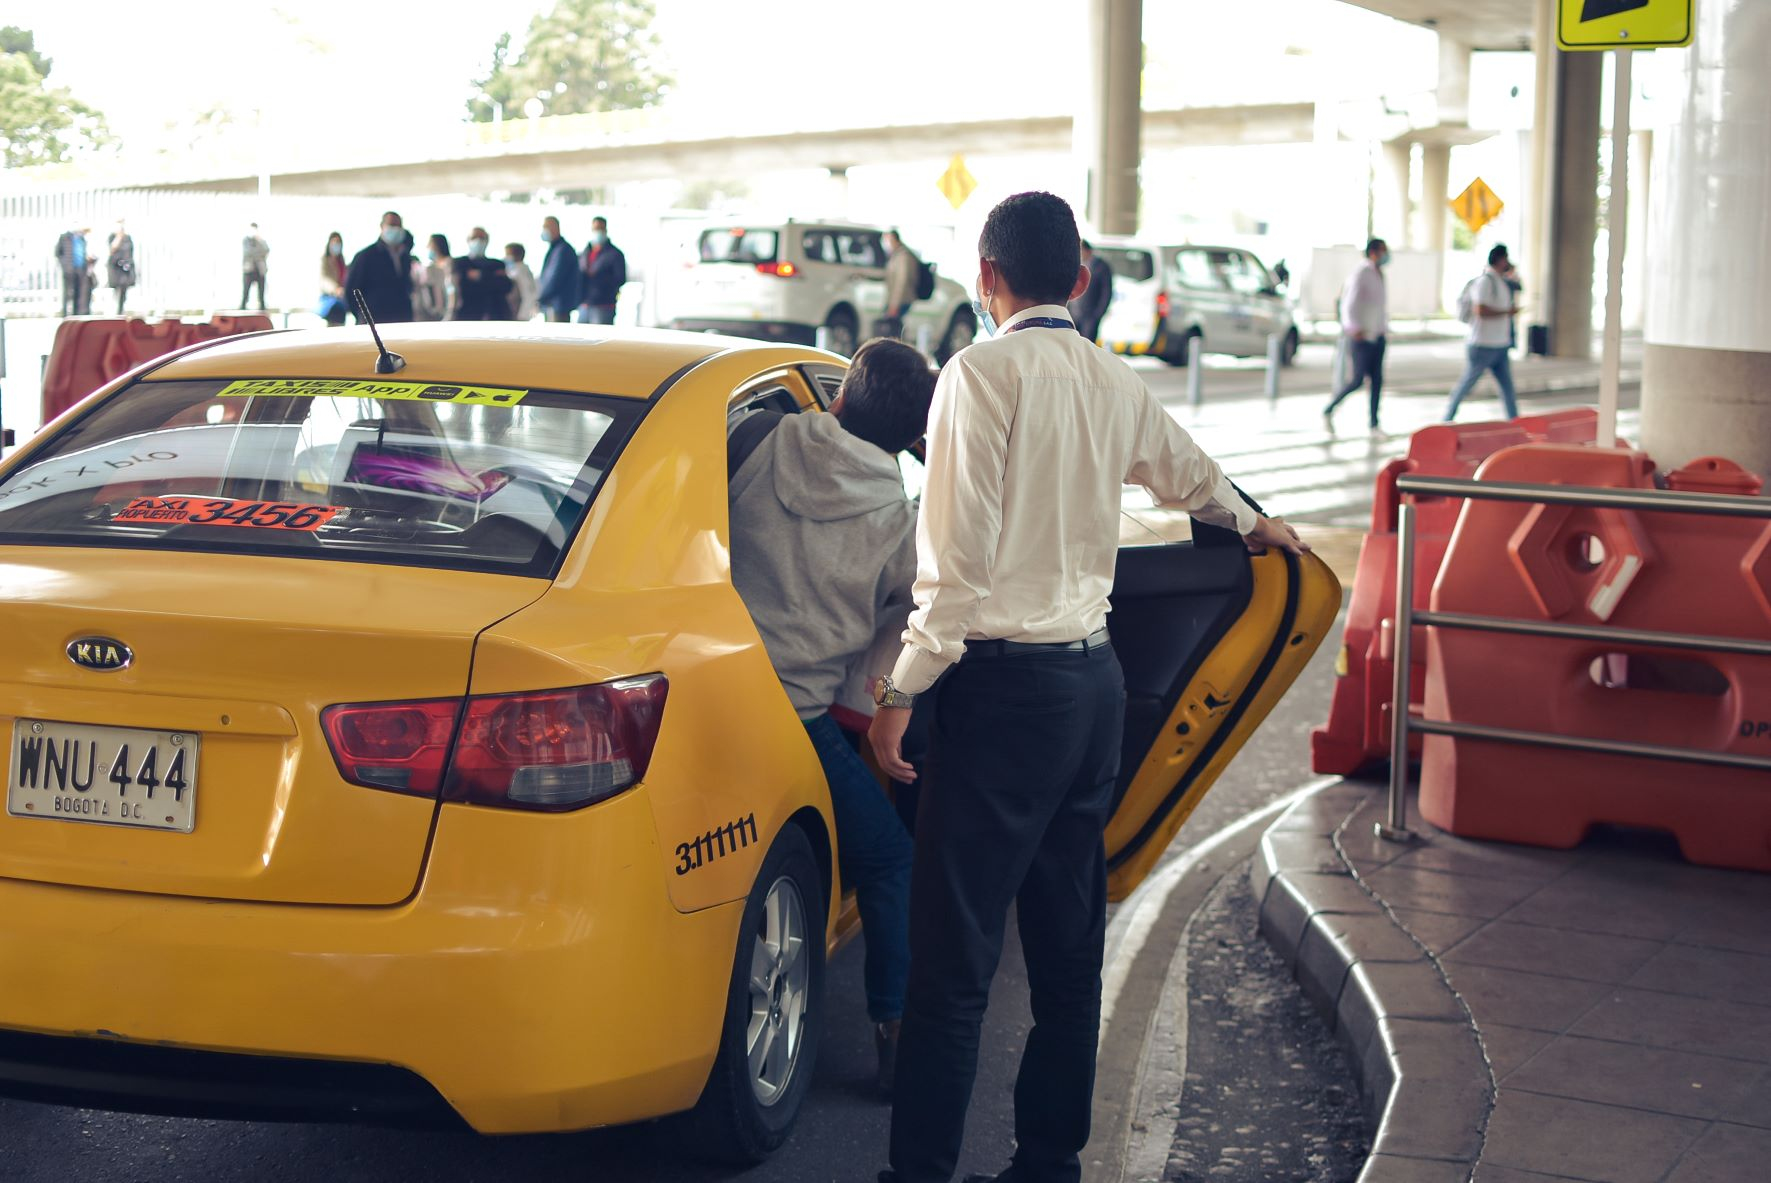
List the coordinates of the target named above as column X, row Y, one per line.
column 1480, row 24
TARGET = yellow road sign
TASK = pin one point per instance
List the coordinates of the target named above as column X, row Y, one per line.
column 1477, row 206
column 957, row 183
column 1623, row 24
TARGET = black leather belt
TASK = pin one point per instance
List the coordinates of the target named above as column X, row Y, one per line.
column 1094, row 640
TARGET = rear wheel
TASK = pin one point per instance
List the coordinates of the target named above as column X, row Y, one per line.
column 842, row 331
column 961, row 331
column 774, row 1008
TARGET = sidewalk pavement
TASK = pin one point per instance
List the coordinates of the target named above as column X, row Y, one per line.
column 1516, row 1014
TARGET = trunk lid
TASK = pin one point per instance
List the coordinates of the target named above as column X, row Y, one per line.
column 231, row 658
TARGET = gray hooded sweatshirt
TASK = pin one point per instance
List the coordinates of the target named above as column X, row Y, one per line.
column 823, row 552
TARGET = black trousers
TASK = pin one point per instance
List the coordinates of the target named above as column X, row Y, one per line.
column 1018, row 787
column 249, row 280
column 1368, row 362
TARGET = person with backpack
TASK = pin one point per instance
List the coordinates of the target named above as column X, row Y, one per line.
column 1365, row 319
column 1486, row 305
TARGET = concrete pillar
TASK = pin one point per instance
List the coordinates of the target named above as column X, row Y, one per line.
column 1392, row 204
column 1109, row 125
column 1706, row 379
column 1538, row 264
column 1435, row 202
column 839, row 191
column 1453, row 92
column 1574, row 216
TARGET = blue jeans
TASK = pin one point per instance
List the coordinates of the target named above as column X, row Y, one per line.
column 875, row 853
column 1484, row 358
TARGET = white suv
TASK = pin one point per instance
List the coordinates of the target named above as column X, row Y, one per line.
column 783, row 281
column 1164, row 296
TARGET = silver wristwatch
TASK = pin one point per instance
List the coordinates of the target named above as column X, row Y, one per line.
column 887, row 695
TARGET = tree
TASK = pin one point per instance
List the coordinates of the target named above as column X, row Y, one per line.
column 584, row 55
column 39, row 123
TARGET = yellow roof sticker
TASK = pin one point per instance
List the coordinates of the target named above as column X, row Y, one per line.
column 423, row 392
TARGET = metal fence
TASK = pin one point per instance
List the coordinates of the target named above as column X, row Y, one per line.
column 1395, row 825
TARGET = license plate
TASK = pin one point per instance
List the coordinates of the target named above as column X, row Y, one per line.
column 114, row 776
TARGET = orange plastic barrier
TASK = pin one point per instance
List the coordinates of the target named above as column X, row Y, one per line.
column 88, row 353
column 1648, row 571
column 1358, row 729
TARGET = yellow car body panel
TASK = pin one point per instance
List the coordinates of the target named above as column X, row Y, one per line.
column 542, row 971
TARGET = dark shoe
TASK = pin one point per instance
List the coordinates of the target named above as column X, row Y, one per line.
column 885, row 1042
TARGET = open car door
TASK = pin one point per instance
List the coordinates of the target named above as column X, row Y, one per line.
column 1210, row 638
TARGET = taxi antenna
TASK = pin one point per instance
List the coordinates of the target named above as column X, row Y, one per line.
column 386, row 363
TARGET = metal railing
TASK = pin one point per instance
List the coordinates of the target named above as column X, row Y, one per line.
column 1395, row 825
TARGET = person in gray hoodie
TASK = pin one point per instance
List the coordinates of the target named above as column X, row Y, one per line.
column 824, row 556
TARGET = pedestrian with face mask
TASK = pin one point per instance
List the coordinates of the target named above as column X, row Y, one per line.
column 605, row 270
column 332, row 276
column 1365, row 321
column 120, row 264
column 255, row 255
column 382, row 271
column 560, row 278
column 1032, row 436
column 482, row 286
column 434, row 296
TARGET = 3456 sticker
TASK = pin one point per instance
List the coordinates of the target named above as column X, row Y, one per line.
column 715, row 844
column 227, row 511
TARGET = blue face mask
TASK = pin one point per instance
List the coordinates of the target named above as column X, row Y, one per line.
column 986, row 322
column 392, row 235
column 598, row 238
column 547, row 237
column 1383, row 260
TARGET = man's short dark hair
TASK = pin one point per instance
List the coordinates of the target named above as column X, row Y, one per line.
column 886, row 394
column 1498, row 254
column 600, row 221
column 516, row 251
column 1032, row 239
column 1376, row 244
column 395, row 217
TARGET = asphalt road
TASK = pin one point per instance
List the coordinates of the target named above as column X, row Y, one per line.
column 1283, row 456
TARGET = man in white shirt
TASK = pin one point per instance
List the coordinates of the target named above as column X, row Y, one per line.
column 1491, row 335
column 1032, row 436
column 1365, row 319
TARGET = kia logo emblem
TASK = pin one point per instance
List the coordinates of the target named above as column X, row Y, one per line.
column 100, row 653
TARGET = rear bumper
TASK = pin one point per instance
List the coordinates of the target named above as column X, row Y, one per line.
column 539, row 980
column 779, row 331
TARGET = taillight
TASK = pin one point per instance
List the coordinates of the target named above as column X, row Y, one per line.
column 550, row 749
column 1162, row 305
column 556, row 749
column 402, row 746
column 784, row 269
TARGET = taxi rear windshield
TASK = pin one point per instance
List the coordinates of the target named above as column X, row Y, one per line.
column 417, row 474
column 736, row 245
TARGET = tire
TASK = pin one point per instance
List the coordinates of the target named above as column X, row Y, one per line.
column 774, row 1008
column 1288, row 352
column 844, row 331
column 962, row 330
column 1180, row 348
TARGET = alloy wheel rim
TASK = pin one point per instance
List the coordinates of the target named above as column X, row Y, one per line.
column 779, row 982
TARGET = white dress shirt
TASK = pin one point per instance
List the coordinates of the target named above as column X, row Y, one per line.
column 1493, row 332
column 1365, row 303
column 1032, row 437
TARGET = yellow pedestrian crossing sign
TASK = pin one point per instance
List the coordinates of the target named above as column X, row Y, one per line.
column 1477, row 206
column 1623, row 24
column 957, row 183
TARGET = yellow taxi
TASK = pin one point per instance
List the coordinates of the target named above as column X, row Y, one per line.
column 385, row 738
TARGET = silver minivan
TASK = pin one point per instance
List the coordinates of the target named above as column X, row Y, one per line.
column 1164, row 296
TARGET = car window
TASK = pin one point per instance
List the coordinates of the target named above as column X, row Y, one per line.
column 1239, row 272
column 391, row 472
column 736, row 244
column 770, row 396
column 860, row 248
column 1128, row 263
column 826, row 381
column 1193, row 269
column 819, row 246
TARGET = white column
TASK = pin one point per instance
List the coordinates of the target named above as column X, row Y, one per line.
column 1392, row 214
column 1706, row 385
column 1109, row 125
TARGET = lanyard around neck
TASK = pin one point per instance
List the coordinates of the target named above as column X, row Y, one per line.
column 1039, row 322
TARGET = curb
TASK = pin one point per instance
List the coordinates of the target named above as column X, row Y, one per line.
column 1422, row 1074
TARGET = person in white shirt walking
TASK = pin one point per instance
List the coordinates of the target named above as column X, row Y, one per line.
column 1032, row 436
column 1365, row 319
column 1490, row 313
